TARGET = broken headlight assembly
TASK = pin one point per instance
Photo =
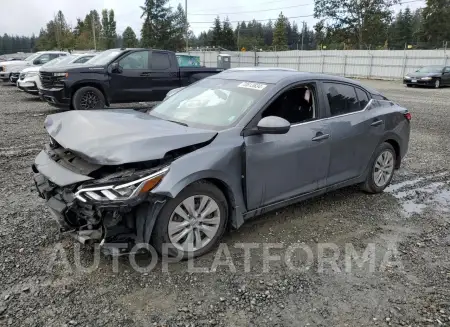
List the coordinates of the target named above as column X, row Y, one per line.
column 121, row 189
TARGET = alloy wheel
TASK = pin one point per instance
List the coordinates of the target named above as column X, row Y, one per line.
column 437, row 83
column 89, row 100
column 194, row 223
column 384, row 168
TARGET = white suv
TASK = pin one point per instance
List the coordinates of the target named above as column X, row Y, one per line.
column 10, row 70
column 29, row 80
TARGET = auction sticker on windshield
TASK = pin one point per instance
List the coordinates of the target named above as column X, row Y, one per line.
column 253, row 86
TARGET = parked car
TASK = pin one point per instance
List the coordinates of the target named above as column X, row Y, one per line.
column 10, row 70
column 435, row 76
column 29, row 80
column 118, row 76
column 220, row 151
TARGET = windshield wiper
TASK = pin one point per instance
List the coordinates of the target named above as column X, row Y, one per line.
column 178, row 122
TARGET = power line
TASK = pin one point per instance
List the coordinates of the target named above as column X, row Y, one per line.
column 251, row 11
column 261, row 3
column 256, row 20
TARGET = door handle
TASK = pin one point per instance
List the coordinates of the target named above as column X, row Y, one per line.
column 376, row 123
column 145, row 74
column 320, row 137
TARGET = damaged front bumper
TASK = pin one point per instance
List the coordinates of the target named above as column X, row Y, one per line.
column 88, row 218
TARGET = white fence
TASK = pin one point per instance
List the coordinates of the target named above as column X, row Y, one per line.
column 377, row 64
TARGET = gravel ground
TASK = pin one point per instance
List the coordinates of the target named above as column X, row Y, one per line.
column 408, row 226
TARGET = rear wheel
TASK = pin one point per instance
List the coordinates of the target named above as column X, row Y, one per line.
column 193, row 222
column 381, row 169
column 408, row 85
column 88, row 97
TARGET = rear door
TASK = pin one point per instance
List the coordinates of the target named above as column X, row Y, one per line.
column 355, row 132
column 164, row 74
column 131, row 82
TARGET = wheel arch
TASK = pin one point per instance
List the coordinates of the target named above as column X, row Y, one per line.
column 78, row 86
column 235, row 215
column 396, row 145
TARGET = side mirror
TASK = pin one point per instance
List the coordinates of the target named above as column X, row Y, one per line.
column 273, row 125
column 37, row 62
column 115, row 68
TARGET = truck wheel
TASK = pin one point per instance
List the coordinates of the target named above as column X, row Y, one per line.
column 381, row 169
column 193, row 222
column 88, row 97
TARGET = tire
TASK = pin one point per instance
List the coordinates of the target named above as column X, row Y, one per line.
column 161, row 230
column 408, row 85
column 371, row 185
column 87, row 98
column 437, row 83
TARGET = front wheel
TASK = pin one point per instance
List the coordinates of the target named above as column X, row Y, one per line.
column 193, row 222
column 437, row 84
column 381, row 169
column 88, row 97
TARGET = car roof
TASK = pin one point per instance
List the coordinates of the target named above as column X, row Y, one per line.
column 276, row 75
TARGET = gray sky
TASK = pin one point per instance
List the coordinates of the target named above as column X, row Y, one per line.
column 24, row 17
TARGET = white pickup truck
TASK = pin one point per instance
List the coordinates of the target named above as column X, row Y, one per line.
column 10, row 70
column 29, row 80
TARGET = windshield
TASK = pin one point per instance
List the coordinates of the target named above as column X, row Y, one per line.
column 210, row 103
column 430, row 69
column 105, row 57
column 53, row 62
column 32, row 57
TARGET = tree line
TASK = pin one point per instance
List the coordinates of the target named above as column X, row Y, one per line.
column 342, row 24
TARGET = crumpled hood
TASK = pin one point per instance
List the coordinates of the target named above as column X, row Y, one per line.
column 113, row 137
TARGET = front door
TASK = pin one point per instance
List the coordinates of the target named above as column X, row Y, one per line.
column 279, row 167
column 131, row 82
column 446, row 76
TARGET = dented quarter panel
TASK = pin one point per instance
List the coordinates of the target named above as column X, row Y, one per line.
column 116, row 137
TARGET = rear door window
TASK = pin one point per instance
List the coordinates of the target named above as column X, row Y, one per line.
column 363, row 99
column 160, row 61
column 341, row 98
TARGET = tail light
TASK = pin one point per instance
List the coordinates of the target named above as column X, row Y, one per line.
column 407, row 115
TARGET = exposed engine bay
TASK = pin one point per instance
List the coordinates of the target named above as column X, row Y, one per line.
column 106, row 203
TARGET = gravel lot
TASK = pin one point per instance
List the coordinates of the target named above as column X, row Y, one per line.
column 41, row 287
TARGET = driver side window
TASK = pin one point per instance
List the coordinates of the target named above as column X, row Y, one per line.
column 43, row 59
column 296, row 105
column 135, row 60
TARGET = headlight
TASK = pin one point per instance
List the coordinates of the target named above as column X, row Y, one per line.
column 426, row 78
column 61, row 75
column 121, row 190
column 407, row 77
column 31, row 74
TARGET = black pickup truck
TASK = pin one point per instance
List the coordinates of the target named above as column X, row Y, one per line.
column 117, row 76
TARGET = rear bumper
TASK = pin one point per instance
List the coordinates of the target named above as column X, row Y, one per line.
column 55, row 97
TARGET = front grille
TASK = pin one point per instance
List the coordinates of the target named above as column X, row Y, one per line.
column 47, row 79
column 15, row 75
column 1, row 68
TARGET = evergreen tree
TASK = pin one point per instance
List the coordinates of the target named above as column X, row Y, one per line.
column 217, row 33
column 156, row 31
column 109, row 29
column 228, row 41
column 279, row 34
column 436, row 22
column 179, row 28
column 129, row 38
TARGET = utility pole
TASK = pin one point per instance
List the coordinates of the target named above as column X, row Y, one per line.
column 303, row 32
column 93, row 31
column 187, row 27
column 239, row 32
